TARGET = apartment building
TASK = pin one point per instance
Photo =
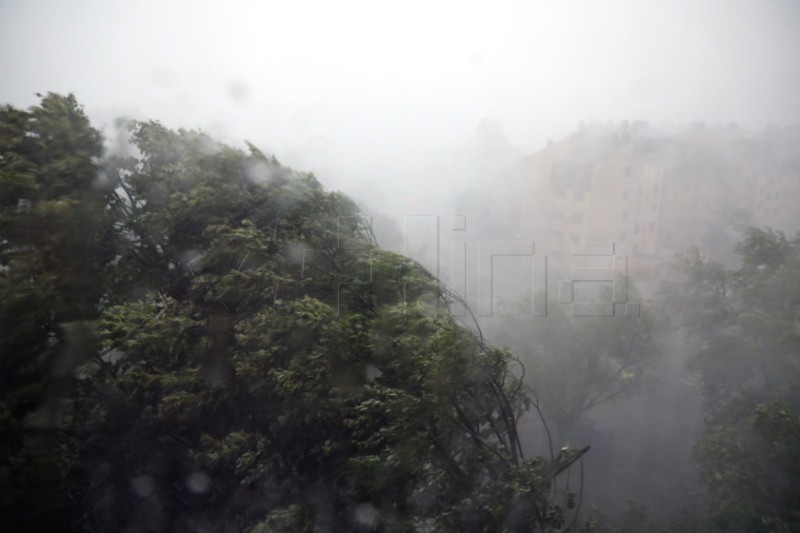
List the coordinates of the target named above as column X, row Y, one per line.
column 654, row 194
column 775, row 190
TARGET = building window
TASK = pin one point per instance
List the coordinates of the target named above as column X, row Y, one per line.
column 578, row 196
column 625, row 194
column 625, row 215
column 622, row 236
column 576, row 217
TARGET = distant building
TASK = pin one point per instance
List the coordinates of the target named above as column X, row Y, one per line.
column 654, row 194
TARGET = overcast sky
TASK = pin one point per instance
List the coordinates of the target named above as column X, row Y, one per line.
column 389, row 95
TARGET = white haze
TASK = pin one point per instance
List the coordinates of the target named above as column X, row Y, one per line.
column 427, row 108
column 384, row 100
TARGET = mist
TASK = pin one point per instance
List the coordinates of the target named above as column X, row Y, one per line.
column 609, row 190
column 387, row 101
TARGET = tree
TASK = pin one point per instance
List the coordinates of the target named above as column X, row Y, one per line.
column 241, row 355
column 576, row 363
column 746, row 326
column 55, row 237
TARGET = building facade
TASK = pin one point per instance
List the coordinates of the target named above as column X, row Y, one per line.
column 654, row 194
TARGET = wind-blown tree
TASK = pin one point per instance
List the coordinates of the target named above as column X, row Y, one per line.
column 745, row 324
column 55, row 239
column 211, row 341
column 577, row 363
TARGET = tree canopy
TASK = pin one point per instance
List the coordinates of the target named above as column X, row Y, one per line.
column 745, row 324
column 220, row 345
column 577, row 363
column 56, row 240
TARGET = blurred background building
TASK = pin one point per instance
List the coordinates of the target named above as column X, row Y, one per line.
column 654, row 194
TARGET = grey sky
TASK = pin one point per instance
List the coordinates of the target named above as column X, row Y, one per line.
column 377, row 94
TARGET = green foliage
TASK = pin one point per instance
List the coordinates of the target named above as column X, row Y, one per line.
column 746, row 326
column 577, row 363
column 293, row 519
column 55, row 240
column 233, row 352
column 48, row 152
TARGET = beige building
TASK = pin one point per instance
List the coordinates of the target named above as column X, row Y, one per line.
column 653, row 194
column 775, row 189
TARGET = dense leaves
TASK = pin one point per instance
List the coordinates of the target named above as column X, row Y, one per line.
column 745, row 324
column 55, row 241
column 576, row 363
column 236, row 354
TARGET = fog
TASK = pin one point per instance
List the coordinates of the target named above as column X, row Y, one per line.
column 385, row 100
column 469, row 133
